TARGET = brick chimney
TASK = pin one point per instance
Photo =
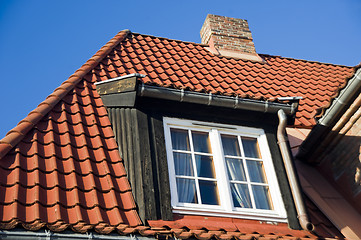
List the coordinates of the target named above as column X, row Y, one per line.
column 229, row 37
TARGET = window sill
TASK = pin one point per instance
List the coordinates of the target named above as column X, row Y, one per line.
column 269, row 216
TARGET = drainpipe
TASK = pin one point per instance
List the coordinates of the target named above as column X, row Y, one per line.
column 288, row 163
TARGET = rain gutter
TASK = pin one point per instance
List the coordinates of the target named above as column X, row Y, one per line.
column 288, row 161
column 329, row 119
column 344, row 99
column 210, row 99
column 124, row 91
column 49, row 235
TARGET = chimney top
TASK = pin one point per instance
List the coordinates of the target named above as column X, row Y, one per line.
column 229, row 37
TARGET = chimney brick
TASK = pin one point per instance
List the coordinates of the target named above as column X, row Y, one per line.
column 229, row 37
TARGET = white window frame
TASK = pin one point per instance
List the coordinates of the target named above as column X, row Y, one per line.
column 225, row 209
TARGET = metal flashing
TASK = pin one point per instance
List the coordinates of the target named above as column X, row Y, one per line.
column 121, row 78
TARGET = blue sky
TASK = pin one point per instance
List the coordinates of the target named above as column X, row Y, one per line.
column 43, row 42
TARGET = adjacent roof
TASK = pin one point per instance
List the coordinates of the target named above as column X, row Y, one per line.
column 60, row 166
column 347, row 84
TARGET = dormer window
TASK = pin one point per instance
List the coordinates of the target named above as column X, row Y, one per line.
column 221, row 169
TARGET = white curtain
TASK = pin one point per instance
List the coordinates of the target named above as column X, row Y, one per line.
column 186, row 190
column 240, row 192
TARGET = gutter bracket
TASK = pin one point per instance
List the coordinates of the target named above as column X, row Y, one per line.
column 48, row 234
column 90, row 235
column 266, row 106
column 209, row 98
column 182, row 95
column 338, row 99
column 236, row 102
column 142, row 90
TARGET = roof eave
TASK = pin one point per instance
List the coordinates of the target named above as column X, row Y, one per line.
column 131, row 86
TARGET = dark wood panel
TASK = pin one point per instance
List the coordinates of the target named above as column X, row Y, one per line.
column 143, row 156
column 159, row 155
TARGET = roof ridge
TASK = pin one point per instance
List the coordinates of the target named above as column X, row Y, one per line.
column 171, row 39
column 305, row 60
column 15, row 135
column 263, row 54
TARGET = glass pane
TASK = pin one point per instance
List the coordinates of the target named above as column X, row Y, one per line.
column 230, row 145
column 250, row 147
column 186, row 190
column 180, row 140
column 201, row 142
column 183, row 164
column 240, row 195
column 235, row 169
column 262, row 197
column 205, row 166
column 209, row 192
column 256, row 171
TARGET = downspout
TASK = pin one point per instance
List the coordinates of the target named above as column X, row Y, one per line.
column 290, row 171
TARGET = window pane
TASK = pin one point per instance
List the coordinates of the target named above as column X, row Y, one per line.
column 230, row 145
column 180, row 140
column 201, row 142
column 235, row 169
column 256, row 171
column 205, row 166
column 262, row 197
column 186, row 190
column 240, row 195
column 183, row 164
column 250, row 147
column 209, row 192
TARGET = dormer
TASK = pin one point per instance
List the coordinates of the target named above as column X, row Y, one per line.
column 200, row 154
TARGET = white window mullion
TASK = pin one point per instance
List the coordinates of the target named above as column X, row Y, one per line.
column 225, row 190
column 221, row 171
column 194, row 167
column 246, row 172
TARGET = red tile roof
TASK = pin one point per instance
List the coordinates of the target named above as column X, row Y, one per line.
column 60, row 166
column 182, row 65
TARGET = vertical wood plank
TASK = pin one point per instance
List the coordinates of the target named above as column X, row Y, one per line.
column 146, row 164
column 119, row 131
column 138, row 165
column 130, row 158
column 161, row 166
column 123, row 140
